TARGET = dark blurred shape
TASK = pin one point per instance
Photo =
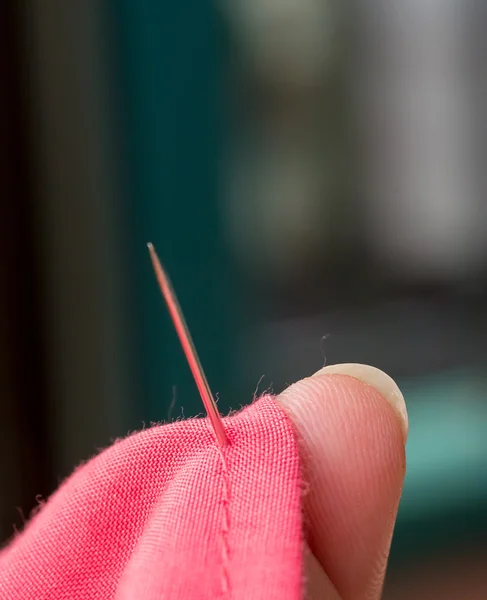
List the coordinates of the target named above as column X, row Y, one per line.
column 459, row 574
column 24, row 440
column 64, row 338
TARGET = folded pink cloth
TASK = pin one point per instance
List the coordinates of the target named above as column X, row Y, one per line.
column 168, row 514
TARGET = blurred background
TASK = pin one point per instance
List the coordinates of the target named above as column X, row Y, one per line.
column 313, row 175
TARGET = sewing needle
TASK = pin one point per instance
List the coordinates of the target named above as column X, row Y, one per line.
column 188, row 346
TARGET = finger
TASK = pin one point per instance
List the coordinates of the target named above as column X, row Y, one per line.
column 318, row 584
column 352, row 424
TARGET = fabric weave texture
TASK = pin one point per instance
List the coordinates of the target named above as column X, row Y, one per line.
column 168, row 514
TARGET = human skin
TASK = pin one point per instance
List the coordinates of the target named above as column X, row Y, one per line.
column 352, row 425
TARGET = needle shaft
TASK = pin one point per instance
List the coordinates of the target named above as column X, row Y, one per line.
column 188, row 346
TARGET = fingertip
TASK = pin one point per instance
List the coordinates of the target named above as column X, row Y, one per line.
column 353, row 450
column 380, row 381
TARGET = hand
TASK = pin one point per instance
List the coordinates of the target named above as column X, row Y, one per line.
column 352, row 424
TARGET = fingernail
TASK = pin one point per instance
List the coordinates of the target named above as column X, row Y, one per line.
column 384, row 384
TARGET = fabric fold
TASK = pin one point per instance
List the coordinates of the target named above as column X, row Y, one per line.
column 167, row 513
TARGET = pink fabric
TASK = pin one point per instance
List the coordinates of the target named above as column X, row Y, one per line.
column 167, row 514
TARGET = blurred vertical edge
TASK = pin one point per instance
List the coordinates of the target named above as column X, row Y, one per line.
column 24, row 451
column 80, row 225
column 66, row 233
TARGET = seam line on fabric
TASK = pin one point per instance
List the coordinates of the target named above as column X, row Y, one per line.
column 224, row 531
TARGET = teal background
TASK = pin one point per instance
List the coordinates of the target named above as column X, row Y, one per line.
column 170, row 83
